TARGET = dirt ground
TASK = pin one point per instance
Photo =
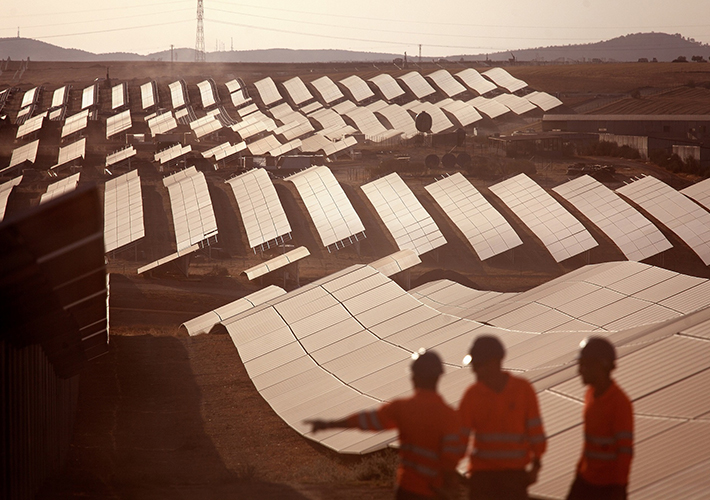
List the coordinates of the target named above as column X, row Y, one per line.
column 164, row 415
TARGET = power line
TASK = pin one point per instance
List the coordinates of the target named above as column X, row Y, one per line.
column 112, row 30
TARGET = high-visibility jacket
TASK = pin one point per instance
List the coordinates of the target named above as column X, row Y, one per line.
column 429, row 434
column 506, row 425
column 608, row 437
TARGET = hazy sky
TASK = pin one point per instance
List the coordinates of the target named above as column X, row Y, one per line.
column 441, row 27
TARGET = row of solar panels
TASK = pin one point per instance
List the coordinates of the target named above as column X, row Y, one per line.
column 409, row 224
column 343, row 344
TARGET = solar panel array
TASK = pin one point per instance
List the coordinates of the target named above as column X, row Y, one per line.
column 75, row 123
column 562, row 234
column 483, row 226
column 88, row 97
column 162, row 123
column 460, row 113
column 700, row 192
column 297, row 91
column 445, row 82
column 118, row 123
column 330, row 209
column 191, row 206
column 489, row 107
column 205, row 323
column 180, row 254
column 123, row 211
column 417, row 84
column 148, row 98
column 5, row 190
column 408, row 222
column 28, row 152
column 168, row 154
column 60, row 187
column 608, row 297
column 327, row 89
column 207, row 96
column 396, row 262
column 120, row 155
column 206, row 125
column 504, row 79
column 342, row 344
column 679, row 214
column 71, row 152
column 633, row 233
column 475, row 81
column 357, row 87
column 31, row 125
column 276, row 263
column 367, row 123
column 118, row 96
column 543, row 100
column 387, row 86
column 268, row 92
column 440, row 122
column 263, row 216
column 398, row 118
column 516, row 104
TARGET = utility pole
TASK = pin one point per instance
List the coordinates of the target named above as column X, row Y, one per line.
column 200, row 37
column 420, row 53
column 171, row 53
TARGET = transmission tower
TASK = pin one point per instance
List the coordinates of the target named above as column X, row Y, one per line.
column 200, row 38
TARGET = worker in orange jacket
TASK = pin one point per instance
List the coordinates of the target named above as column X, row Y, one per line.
column 430, row 437
column 603, row 470
column 502, row 412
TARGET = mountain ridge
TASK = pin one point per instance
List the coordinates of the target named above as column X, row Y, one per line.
column 626, row 48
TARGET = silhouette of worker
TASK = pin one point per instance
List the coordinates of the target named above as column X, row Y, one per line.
column 431, row 443
column 603, row 470
column 502, row 413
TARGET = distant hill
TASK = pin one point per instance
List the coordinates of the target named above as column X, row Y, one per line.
column 662, row 46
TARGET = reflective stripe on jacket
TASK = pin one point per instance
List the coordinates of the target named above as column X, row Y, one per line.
column 506, row 426
column 430, row 438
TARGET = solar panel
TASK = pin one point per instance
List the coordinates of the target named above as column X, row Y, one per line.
column 366, row 121
column 446, row 83
column 191, row 206
column 207, row 96
column 88, row 97
column 562, row 234
column 679, row 214
column 635, row 235
column 276, row 263
column 357, row 88
column 483, row 226
column 297, row 91
column 263, row 145
column 59, row 97
column 31, row 125
column 75, row 123
column 268, row 93
column 397, row 118
column 205, row 323
column 543, row 100
column 460, row 113
column 331, row 211
column 310, row 108
column 440, row 123
column 148, row 98
column 118, row 96
column 5, row 190
column 119, row 156
column 118, row 123
column 387, row 85
column 206, row 125
column 475, row 81
column 168, row 259
column 71, row 152
column 700, row 192
column 224, row 150
column 327, row 90
column 162, row 123
column 28, row 152
column 489, row 107
column 416, row 84
column 505, row 80
column 172, row 152
column 408, row 222
column 123, row 211
column 253, row 124
column 516, row 104
column 396, row 262
column 261, row 211
column 285, row 148
column 60, row 187
column 177, row 94
column 29, row 97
